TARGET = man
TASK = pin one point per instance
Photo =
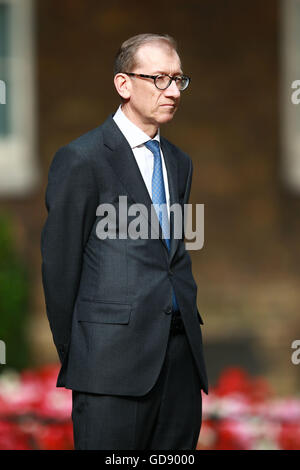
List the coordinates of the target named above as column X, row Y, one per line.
column 123, row 310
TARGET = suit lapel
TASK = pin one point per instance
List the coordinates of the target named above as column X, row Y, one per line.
column 171, row 166
column 123, row 162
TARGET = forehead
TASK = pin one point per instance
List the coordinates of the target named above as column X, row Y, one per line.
column 157, row 57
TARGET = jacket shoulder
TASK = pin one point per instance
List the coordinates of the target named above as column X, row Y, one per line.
column 80, row 150
column 86, row 142
column 90, row 144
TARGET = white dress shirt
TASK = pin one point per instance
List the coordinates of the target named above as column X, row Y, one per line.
column 144, row 157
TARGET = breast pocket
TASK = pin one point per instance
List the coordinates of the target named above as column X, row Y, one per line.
column 97, row 311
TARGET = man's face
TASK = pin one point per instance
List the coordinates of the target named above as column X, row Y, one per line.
column 148, row 105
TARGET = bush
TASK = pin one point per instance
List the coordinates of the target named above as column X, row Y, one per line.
column 14, row 298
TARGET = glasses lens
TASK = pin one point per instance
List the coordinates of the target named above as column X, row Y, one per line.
column 162, row 81
column 182, row 82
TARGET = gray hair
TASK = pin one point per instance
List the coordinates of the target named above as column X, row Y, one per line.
column 125, row 59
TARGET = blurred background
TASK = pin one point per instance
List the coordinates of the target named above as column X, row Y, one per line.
column 237, row 122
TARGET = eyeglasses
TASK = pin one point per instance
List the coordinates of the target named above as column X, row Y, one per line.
column 164, row 81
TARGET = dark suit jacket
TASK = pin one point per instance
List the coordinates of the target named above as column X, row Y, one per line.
column 109, row 301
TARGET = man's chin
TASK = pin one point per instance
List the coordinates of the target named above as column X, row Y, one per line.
column 167, row 115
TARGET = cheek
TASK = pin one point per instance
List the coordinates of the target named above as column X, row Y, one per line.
column 157, row 100
column 147, row 102
column 139, row 101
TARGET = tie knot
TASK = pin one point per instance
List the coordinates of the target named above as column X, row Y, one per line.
column 153, row 146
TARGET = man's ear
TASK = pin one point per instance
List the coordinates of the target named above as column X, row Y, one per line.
column 123, row 85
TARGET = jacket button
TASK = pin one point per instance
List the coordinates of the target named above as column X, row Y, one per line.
column 168, row 310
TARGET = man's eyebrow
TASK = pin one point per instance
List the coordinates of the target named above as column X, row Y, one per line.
column 161, row 72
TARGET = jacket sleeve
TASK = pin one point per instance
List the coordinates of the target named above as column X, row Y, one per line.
column 71, row 202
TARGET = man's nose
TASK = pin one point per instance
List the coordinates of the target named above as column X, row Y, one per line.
column 172, row 90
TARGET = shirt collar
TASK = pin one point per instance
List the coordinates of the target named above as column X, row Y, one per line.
column 133, row 134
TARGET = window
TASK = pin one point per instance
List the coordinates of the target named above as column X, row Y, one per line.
column 290, row 111
column 18, row 168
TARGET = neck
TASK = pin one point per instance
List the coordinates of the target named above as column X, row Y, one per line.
column 149, row 128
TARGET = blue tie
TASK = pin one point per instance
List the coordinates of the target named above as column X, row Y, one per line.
column 159, row 199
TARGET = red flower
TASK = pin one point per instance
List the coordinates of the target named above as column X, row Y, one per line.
column 289, row 436
column 12, row 438
column 55, row 437
column 236, row 381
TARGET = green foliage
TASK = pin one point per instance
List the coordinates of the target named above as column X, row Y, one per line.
column 14, row 298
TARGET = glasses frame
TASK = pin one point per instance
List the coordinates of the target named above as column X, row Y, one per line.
column 154, row 77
